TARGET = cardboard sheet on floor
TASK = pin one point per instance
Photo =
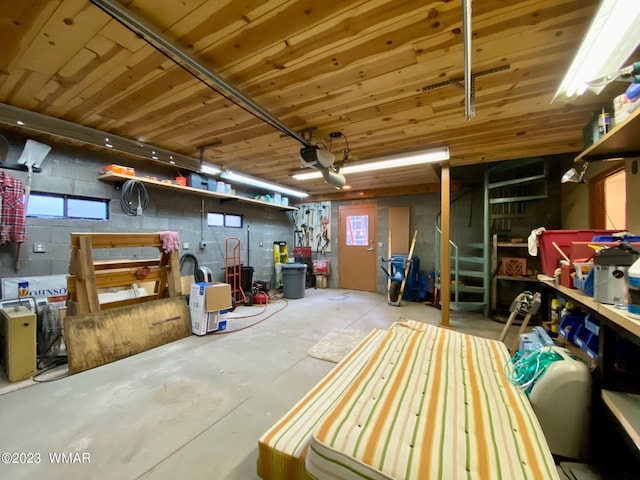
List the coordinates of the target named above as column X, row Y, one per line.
column 94, row 339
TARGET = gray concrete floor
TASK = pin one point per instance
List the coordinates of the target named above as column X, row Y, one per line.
column 194, row 408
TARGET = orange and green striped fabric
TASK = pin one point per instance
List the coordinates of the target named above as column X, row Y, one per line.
column 431, row 403
column 283, row 448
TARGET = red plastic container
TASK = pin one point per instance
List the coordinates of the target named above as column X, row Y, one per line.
column 549, row 256
column 303, row 252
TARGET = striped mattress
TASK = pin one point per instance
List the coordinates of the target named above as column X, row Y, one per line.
column 431, row 403
column 283, row 448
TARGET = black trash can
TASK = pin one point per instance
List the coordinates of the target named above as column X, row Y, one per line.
column 293, row 280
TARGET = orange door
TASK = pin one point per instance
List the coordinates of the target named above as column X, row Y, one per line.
column 357, row 259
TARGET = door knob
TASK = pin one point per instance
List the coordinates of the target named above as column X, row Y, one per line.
column 370, row 249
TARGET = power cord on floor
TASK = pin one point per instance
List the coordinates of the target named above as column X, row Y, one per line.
column 52, row 366
column 223, row 332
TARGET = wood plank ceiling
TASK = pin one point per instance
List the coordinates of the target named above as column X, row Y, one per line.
column 359, row 67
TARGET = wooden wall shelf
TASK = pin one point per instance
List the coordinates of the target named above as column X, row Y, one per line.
column 622, row 140
column 116, row 178
column 625, row 406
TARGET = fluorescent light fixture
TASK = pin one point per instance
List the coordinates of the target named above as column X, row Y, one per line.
column 612, row 37
column 391, row 161
column 256, row 182
column 209, row 169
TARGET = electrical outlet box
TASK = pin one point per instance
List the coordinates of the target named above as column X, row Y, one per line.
column 185, row 245
column 203, row 244
column 38, row 248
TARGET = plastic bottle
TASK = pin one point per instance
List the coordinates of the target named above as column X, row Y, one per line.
column 554, row 314
column 633, row 285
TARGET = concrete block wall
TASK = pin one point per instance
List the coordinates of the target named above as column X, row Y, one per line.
column 74, row 171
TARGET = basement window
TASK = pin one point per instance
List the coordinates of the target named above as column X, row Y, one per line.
column 45, row 205
column 233, row 221
column 215, row 219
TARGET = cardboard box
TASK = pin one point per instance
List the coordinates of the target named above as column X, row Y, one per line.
column 321, row 281
column 211, row 296
column 217, row 321
column 207, row 298
column 513, row 266
column 209, row 322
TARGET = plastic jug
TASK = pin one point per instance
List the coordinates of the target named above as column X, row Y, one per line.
column 633, row 285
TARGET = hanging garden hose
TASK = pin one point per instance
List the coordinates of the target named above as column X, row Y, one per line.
column 194, row 260
column 525, row 367
column 131, row 189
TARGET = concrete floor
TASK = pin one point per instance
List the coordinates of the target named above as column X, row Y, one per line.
column 194, row 408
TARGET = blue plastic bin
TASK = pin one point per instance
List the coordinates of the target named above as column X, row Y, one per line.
column 611, row 238
column 569, row 325
column 586, row 284
column 588, row 341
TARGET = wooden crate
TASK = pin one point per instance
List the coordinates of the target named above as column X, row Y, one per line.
column 513, row 266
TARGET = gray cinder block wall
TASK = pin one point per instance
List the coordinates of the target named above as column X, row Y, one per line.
column 74, row 171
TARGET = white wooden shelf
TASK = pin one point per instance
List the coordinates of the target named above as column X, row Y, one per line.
column 115, row 178
column 614, row 315
column 517, row 278
column 500, row 250
column 622, row 139
column 626, row 408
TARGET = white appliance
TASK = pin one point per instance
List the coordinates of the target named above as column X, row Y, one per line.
column 561, row 399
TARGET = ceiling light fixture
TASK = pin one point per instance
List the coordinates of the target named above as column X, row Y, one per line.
column 333, row 177
column 612, row 37
column 256, row 182
column 390, row 161
column 572, row 175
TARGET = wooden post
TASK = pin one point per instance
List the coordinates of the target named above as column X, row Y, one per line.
column 445, row 273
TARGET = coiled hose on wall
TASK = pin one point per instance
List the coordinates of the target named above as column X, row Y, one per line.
column 131, row 189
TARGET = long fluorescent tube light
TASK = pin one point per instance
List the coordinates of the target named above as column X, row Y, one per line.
column 613, row 36
column 390, row 161
column 209, row 169
column 256, row 182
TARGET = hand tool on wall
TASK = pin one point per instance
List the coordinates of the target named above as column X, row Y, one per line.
column 32, row 156
column 302, row 238
column 629, row 73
